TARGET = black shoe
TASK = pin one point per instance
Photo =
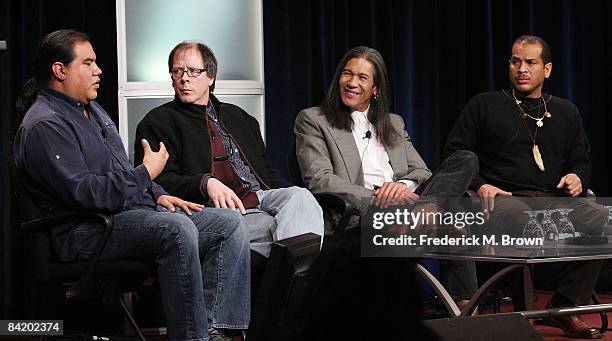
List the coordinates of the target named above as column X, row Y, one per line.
column 215, row 334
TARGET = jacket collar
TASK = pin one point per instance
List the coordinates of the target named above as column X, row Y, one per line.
column 63, row 97
column 197, row 110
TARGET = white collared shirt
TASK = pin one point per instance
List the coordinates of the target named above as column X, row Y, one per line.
column 374, row 158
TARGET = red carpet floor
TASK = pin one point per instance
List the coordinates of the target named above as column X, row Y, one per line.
column 553, row 334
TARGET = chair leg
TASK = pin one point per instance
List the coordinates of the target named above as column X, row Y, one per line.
column 130, row 318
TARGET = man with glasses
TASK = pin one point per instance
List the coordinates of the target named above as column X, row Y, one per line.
column 217, row 155
column 72, row 159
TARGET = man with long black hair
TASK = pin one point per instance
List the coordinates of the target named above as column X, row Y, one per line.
column 352, row 145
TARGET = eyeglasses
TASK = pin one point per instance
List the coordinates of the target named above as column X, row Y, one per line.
column 191, row 72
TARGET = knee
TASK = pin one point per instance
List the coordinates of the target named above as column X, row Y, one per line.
column 233, row 222
column 308, row 203
column 465, row 157
column 299, row 193
column 591, row 215
column 182, row 228
column 240, row 233
column 512, row 215
column 235, row 227
column 510, row 218
column 304, row 197
column 601, row 214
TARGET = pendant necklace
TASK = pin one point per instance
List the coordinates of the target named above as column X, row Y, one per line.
column 535, row 150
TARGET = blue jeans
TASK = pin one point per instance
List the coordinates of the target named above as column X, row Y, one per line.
column 282, row 213
column 203, row 264
column 226, row 267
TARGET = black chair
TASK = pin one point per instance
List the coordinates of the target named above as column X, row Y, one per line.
column 282, row 284
column 332, row 203
column 82, row 277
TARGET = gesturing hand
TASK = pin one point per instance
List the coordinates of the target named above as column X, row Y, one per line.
column 222, row 196
column 487, row 195
column 571, row 184
column 154, row 161
column 170, row 202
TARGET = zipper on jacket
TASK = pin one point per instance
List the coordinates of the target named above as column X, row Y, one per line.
column 240, row 150
column 212, row 164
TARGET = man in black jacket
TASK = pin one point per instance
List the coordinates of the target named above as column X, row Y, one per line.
column 217, row 155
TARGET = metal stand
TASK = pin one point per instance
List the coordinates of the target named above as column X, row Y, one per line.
column 451, row 306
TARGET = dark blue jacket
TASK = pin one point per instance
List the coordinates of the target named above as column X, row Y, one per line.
column 76, row 163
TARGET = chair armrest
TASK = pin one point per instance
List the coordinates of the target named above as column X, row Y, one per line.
column 282, row 283
column 42, row 224
column 337, row 203
column 303, row 249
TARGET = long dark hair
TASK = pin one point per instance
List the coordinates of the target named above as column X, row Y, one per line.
column 338, row 114
column 56, row 46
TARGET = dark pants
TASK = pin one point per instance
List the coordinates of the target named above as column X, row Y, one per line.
column 575, row 281
column 451, row 180
column 509, row 217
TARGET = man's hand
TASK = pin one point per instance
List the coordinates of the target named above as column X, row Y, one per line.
column 487, row 195
column 222, row 196
column 393, row 193
column 154, row 162
column 170, row 202
column 571, row 184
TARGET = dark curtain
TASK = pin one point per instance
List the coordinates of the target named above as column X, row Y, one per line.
column 6, row 227
column 439, row 54
column 23, row 24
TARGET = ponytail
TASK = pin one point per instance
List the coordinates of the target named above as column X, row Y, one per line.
column 56, row 46
column 27, row 96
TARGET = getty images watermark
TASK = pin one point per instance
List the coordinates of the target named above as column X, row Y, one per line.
column 435, row 225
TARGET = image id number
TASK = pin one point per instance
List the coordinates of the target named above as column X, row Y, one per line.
column 31, row 327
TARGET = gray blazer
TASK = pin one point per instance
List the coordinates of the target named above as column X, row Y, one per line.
column 330, row 161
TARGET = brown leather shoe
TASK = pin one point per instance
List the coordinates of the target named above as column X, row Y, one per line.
column 574, row 326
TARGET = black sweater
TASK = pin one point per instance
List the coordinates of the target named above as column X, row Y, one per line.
column 183, row 129
column 492, row 127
